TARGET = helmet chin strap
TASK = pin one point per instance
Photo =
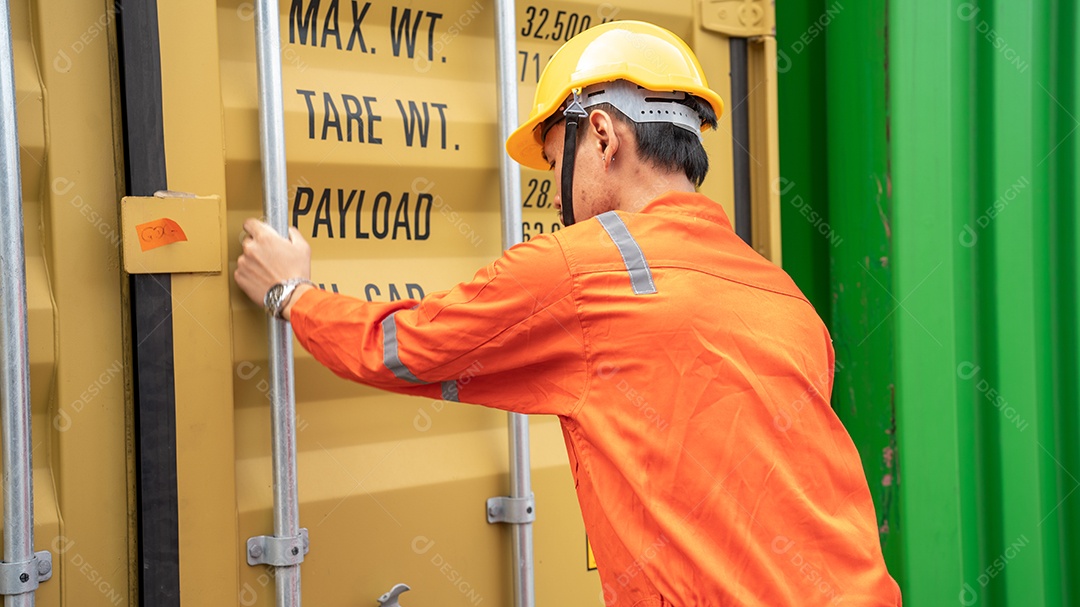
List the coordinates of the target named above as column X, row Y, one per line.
column 573, row 113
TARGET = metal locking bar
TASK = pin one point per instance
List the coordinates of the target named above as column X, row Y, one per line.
column 19, row 573
column 279, row 548
column 510, row 188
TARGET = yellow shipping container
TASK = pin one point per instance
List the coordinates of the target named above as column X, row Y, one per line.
column 149, row 370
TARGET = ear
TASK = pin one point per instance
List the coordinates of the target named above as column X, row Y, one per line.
column 607, row 141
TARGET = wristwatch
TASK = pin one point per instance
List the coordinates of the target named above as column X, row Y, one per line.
column 278, row 296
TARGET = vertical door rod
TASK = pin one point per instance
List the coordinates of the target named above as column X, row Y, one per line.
column 22, row 570
column 517, row 510
column 284, row 550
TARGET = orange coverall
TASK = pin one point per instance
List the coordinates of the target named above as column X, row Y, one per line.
column 692, row 380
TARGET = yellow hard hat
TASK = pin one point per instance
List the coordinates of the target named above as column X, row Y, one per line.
column 645, row 54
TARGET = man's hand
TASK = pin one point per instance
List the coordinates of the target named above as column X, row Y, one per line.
column 268, row 259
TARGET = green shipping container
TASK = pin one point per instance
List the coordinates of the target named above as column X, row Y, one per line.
column 937, row 142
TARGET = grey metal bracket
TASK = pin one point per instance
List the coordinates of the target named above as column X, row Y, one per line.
column 390, row 599
column 513, row 510
column 24, row 576
column 277, row 551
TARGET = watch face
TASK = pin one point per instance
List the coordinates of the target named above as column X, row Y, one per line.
column 273, row 296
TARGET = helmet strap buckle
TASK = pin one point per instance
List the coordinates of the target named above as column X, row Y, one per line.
column 574, row 113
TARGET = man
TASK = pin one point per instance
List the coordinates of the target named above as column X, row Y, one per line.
column 691, row 376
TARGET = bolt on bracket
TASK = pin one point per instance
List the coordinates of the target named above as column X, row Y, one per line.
column 277, row 551
column 25, row 576
column 513, row 510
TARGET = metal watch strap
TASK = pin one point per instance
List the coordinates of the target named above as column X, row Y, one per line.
column 288, row 294
column 275, row 305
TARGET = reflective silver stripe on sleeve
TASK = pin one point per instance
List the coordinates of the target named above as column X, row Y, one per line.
column 390, row 351
column 450, row 391
column 640, row 276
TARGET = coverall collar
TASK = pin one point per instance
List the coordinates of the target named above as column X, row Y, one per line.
column 690, row 204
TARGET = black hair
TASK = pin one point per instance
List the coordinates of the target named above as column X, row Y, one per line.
column 669, row 147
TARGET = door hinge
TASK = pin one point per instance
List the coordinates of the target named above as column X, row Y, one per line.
column 739, row 18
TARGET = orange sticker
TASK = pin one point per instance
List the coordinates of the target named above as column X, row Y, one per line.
column 158, row 233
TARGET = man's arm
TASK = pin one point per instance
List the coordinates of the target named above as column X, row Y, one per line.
column 509, row 338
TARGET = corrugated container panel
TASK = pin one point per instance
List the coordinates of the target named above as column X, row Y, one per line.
column 837, row 214
column 977, row 156
column 984, row 166
column 392, row 147
column 859, row 235
column 803, row 186
column 78, row 375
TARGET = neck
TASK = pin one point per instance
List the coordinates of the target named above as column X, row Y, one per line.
column 636, row 186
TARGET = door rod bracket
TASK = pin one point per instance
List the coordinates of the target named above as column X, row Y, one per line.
column 277, row 551
column 513, row 510
column 24, row 576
